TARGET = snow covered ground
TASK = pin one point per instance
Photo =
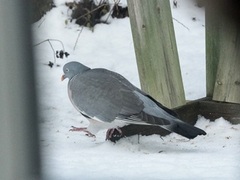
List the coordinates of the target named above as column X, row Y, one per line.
column 72, row 155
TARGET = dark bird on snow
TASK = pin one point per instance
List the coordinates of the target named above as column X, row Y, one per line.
column 110, row 101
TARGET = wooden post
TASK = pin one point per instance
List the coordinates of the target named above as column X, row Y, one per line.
column 212, row 48
column 223, row 50
column 227, row 85
column 156, row 52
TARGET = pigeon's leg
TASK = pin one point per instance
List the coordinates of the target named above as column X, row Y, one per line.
column 83, row 129
column 78, row 129
column 112, row 135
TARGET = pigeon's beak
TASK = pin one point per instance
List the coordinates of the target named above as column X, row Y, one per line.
column 63, row 77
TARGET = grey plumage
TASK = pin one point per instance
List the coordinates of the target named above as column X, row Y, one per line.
column 107, row 97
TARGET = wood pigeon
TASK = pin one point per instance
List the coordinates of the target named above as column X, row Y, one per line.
column 108, row 100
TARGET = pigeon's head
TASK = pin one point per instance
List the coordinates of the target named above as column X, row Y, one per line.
column 73, row 68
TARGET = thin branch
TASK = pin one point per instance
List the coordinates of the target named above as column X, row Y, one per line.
column 181, row 24
column 111, row 10
column 41, row 22
column 49, row 42
column 53, row 51
column 78, row 38
column 40, row 42
column 90, row 11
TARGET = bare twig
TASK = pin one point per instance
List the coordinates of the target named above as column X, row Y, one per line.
column 116, row 2
column 41, row 22
column 181, row 23
column 53, row 52
column 78, row 38
column 49, row 41
column 111, row 10
column 90, row 11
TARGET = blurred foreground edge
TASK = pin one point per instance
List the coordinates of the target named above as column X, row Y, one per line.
column 19, row 145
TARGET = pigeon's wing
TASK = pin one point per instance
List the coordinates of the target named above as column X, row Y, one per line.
column 104, row 95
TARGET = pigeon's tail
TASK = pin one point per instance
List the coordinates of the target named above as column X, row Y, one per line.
column 155, row 113
column 185, row 129
column 171, row 124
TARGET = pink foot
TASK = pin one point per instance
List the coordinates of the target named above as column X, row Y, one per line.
column 110, row 132
column 84, row 129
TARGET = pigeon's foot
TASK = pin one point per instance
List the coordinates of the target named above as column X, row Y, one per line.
column 113, row 134
column 78, row 129
column 83, row 129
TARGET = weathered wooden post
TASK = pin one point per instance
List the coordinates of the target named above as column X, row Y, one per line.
column 212, row 49
column 156, row 51
column 223, row 50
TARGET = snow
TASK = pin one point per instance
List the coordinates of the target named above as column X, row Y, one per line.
column 72, row 155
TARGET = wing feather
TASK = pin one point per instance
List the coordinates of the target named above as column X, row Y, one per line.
column 104, row 94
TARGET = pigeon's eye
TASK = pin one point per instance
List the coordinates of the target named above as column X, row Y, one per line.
column 67, row 70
